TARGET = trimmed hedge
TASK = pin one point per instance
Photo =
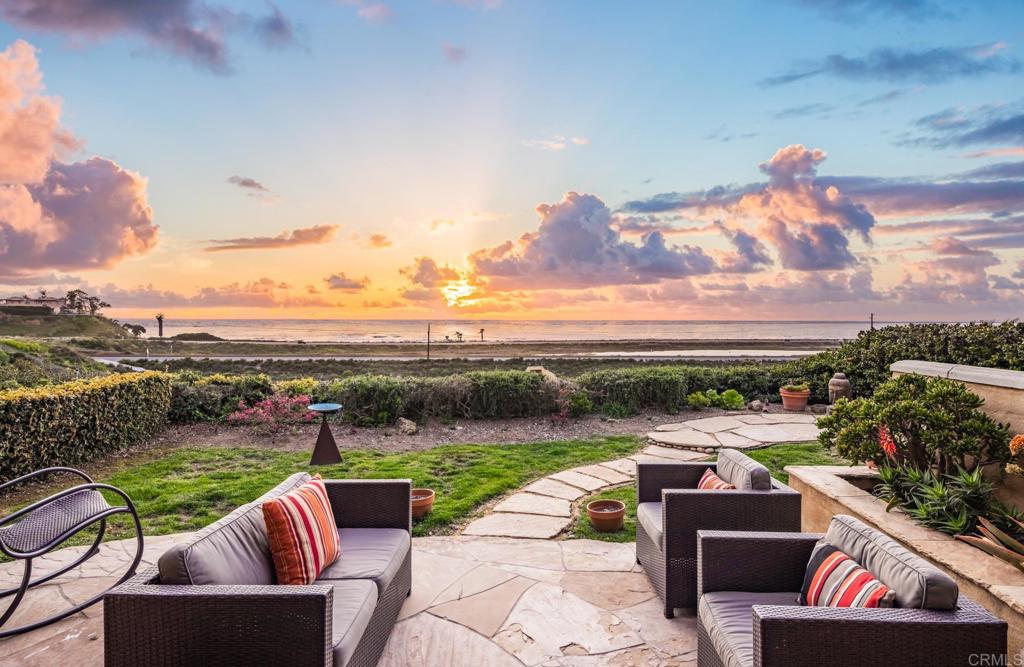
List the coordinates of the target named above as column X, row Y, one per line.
column 73, row 422
column 196, row 397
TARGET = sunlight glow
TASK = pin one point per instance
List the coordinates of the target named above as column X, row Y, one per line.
column 457, row 293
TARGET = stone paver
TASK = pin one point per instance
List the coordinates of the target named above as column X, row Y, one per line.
column 487, row 610
column 625, row 466
column 550, row 487
column 673, row 454
column 743, row 430
column 532, row 526
column 604, row 474
column 573, row 478
column 531, row 503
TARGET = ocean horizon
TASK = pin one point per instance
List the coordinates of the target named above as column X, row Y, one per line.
column 401, row 331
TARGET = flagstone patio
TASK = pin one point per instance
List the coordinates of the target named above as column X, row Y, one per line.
column 742, row 430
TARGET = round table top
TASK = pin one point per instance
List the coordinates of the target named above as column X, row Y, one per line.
column 324, row 407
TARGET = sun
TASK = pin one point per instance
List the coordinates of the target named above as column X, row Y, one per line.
column 457, row 293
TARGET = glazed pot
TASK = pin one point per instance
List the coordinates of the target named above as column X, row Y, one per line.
column 606, row 515
column 794, row 401
column 422, row 502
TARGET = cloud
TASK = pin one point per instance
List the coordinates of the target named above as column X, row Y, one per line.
column 315, row 235
column 425, row 272
column 935, row 65
column 260, row 293
column 814, row 109
column 248, row 183
column 723, row 135
column 374, row 12
column 452, row 53
column 339, row 281
column 379, row 241
column 750, row 254
column 856, row 10
column 1009, row 151
column 555, row 143
column 959, row 127
column 55, row 215
column 185, row 28
column 888, row 96
column 576, row 245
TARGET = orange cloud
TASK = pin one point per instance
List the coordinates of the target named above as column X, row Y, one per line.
column 314, row 235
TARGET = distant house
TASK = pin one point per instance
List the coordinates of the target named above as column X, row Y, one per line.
column 56, row 304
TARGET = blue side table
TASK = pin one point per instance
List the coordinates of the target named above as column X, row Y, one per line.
column 326, row 450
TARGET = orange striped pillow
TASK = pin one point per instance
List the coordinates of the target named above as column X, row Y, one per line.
column 712, row 482
column 302, row 534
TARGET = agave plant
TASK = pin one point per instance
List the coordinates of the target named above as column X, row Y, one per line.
column 998, row 543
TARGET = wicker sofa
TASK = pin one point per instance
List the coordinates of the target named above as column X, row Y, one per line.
column 214, row 600
column 749, row 614
column 671, row 510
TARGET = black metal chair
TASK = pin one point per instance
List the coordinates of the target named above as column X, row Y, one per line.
column 38, row 528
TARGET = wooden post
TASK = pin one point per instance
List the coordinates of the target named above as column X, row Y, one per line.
column 872, row 321
column 428, row 340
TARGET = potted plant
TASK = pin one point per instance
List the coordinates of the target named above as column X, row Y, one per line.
column 422, row 502
column 794, row 396
column 607, row 516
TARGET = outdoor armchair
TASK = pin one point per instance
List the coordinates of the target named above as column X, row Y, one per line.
column 214, row 600
column 670, row 511
column 749, row 613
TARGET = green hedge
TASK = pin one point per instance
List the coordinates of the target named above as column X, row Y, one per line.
column 74, row 422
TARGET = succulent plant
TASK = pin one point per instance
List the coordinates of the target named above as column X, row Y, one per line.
column 998, row 543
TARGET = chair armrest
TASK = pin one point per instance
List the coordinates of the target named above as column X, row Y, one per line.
column 685, row 511
column 371, row 503
column 851, row 637
column 153, row 624
column 754, row 562
column 652, row 478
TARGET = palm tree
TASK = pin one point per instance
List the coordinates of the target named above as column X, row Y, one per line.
column 160, row 323
column 481, row 335
column 458, row 334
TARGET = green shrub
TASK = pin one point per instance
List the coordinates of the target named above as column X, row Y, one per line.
column 500, row 394
column 196, row 397
column 698, row 400
column 730, row 399
column 580, row 404
column 616, row 410
column 930, row 423
column 369, row 400
column 74, row 422
column 26, row 346
column 298, row 387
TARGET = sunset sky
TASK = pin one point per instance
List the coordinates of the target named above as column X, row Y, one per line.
column 548, row 159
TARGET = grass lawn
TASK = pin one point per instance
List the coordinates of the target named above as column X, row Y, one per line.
column 774, row 458
column 192, row 487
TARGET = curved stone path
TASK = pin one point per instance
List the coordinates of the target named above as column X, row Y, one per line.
column 479, row 598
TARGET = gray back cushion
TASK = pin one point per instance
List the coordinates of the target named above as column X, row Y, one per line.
column 917, row 583
column 742, row 471
column 233, row 550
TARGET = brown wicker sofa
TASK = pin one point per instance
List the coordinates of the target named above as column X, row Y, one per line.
column 749, row 614
column 671, row 510
column 214, row 600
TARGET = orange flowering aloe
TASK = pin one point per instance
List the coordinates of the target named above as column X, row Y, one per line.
column 1017, row 444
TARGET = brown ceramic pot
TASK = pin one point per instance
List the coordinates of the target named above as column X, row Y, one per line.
column 422, row 502
column 606, row 515
column 794, row 401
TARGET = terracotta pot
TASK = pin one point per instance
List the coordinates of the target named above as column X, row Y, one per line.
column 606, row 515
column 422, row 502
column 794, row 401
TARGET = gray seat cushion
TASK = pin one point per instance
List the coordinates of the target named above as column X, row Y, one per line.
column 728, row 620
column 369, row 553
column 742, row 471
column 354, row 602
column 649, row 516
column 917, row 583
column 233, row 550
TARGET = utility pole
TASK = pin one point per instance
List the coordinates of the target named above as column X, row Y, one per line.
column 872, row 321
column 428, row 340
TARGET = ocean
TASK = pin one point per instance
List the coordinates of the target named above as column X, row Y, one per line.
column 395, row 331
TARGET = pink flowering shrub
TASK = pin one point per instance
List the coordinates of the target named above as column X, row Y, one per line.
column 273, row 413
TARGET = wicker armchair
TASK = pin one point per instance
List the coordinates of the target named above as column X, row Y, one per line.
column 749, row 583
column 229, row 611
column 671, row 510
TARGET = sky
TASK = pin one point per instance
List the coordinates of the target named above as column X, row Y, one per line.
column 520, row 159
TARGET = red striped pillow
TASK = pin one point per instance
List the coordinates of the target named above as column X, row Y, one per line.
column 302, row 534
column 833, row 579
column 712, row 482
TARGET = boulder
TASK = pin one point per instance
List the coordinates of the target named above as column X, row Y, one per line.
column 756, row 406
column 407, row 426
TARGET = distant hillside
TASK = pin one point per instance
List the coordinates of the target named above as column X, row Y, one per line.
column 14, row 321
column 28, row 363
